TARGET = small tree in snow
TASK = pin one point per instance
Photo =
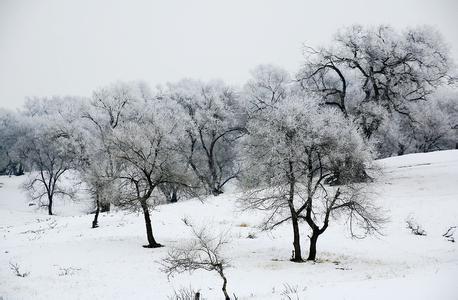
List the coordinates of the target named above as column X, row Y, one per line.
column 203, row 253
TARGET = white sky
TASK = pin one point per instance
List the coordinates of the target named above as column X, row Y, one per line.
column 56, row 47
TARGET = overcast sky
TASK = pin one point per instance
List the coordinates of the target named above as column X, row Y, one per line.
column 71, row 47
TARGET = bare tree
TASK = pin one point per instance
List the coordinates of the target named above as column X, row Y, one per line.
column 16, row 269
column 203, row 253
column 449, row 234
column 415, row 228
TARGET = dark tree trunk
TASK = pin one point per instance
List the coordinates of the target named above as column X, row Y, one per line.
column 149, row 229
column 174, row 197
column 50, row 205
column 105, row 207
column 19, row 170
column 96, row 216
column 226, row 295
column 401, row 150
column 297, row 256
column 313, row 242
column 216, row 192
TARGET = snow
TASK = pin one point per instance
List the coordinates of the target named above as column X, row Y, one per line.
column 69, row 260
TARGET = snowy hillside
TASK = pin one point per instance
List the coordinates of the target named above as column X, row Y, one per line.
column 72, row 261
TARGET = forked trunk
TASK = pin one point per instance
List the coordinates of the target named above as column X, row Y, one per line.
column 313, row 242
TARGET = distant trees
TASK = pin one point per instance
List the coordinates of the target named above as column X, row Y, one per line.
column 373, row 73
column 293, row 145
column 432, row 127
column 10, row 130
column 214, row 123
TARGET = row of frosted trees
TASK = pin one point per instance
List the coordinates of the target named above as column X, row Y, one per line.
column 300, row 145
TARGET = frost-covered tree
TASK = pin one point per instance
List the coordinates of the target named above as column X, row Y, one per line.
column 434, row 126
column 10, row 131
column 214, row 122
column 269, row 85
column 109, row 107
column 50, row 146
column 292, row 147
column 431, row 127
column 373, row 73
column 146, row 146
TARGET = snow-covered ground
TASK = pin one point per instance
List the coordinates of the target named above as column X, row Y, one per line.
column 69, row 260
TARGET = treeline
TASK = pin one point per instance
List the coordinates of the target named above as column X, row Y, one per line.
column 296, row 143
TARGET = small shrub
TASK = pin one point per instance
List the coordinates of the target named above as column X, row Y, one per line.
column 415, row 227
column 16, row 269
column 449, row 234
column 185, row 294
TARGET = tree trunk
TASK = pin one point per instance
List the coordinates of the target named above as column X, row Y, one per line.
column 313, row 241
column 174, row 197
column 96, row 216
column 215, row 184
column 216, row 192
column 297, row 256
column 226, row 296
column 50, row 205
column 149, row 229
column 20, row 170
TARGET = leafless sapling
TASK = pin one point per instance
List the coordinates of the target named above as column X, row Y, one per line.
column 16, row 269
column 449, row 234
column 203, row 253
column 415, row 228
